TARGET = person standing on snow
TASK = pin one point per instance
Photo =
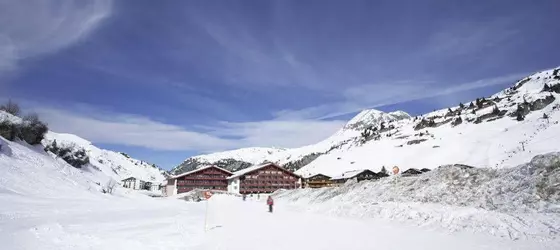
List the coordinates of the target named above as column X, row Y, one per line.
column 270, row 203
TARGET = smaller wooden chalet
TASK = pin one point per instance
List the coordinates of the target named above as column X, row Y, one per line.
column 359, row 175
column 209, row 177
column 264, row 178
column 317, row 181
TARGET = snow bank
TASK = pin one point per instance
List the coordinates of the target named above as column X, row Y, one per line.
column 29, row 171
column 522, row 202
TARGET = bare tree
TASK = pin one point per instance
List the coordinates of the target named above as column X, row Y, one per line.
column 109, row 186
column 11, row 107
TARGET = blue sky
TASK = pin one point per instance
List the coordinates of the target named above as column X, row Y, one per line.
column 164, row 80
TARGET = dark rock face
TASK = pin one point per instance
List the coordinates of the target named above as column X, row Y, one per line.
column 295, row 165
column 193, row 163
column 457, row 121
column 416, row 141
column 541, row 103
column 425, row 124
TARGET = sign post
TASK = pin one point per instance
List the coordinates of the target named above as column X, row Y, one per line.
column 396, row 173
column 207, row 195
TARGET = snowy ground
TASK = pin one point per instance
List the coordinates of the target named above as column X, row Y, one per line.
column 138, row 222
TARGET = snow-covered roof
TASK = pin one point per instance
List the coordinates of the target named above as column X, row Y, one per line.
column 199, row 169
column 349, row 174
column 247, row 170
column 253, row 168
column 311, row 176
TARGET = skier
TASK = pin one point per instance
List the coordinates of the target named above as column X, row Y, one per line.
column 244, row 197
column 270, row 203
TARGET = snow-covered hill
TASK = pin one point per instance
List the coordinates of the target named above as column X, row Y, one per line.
column 483, row 133
column 30, row 171
column 245, row 157
column 102, row 164
column 114, row 164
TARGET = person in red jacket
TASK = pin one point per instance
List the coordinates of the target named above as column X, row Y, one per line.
column 270, row 203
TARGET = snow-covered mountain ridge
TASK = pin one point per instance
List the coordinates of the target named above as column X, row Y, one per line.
column 80, row 153
column 245, row 157
column 116, row 165
column 485, row 132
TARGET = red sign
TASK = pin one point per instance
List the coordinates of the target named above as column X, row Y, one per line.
column 207, row 194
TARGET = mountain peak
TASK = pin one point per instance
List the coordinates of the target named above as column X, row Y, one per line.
column 374, row 117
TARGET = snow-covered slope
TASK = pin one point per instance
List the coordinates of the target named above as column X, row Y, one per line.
column 103, row 163
column 29, row 171
column 517, row 203
column 245, row 157
column 116, row 165
column 486, row 133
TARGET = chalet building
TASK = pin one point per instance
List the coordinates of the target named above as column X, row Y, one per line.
column 139, row 184
column 359, row 175
column 133, row 183
column 264, row 178
column 211, row 177
column 317, row 181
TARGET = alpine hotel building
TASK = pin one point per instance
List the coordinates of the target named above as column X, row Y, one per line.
column 264, row 178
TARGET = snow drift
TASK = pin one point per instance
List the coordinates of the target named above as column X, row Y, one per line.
column 521, row 202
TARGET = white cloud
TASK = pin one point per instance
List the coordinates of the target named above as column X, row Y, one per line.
column 35, row 27
column 279, row 133
column 376, row 95
column 132, row 130
column 461, row 38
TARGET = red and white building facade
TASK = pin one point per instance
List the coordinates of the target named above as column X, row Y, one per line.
column 210, row 178
column 264, row 178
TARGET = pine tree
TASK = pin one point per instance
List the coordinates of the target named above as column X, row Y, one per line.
column 545, row 116
column 546, row 88
column 480, row 102
column 519, row 113
column 496, row 110
column 471, row 106
column 461, row 105
column 384, row 170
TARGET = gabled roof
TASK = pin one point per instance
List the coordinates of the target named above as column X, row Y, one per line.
column 318, row 175
column 197, row 170
column 129, row 178
column 350, row 174
column 257, row 167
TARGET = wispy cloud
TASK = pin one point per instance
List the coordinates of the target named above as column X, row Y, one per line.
column 36, row 27
column 132, row 130
column 377, row 95
column 289, row 128
column 456, row 38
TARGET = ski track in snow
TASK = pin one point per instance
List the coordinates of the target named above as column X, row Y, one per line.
column 146, row 223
